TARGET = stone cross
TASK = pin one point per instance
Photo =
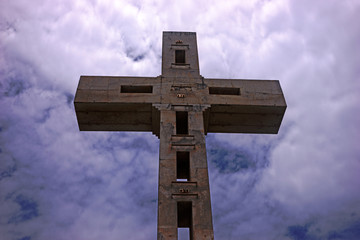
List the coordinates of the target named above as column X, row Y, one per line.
column 180, row 107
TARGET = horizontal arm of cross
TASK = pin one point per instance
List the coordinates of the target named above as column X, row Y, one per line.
column 244, row 106
column 127, row 103
column 117, row 104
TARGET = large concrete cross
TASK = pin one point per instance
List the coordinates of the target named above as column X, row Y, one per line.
column 180, row 107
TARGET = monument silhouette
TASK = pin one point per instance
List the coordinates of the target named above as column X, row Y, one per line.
column 180, row 107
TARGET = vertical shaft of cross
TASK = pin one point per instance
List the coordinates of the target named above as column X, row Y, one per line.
column 184, row 196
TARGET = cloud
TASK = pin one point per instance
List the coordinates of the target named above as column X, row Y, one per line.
column 59, row 183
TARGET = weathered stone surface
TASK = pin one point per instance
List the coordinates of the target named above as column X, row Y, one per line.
column 258, row 109
column 180, row 100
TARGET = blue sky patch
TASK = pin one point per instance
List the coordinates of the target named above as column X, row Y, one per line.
column 28, row 210
column 227, row 161
column 8, row 172
column 138, row 58
column 351, row 232
column 25, row 238
column 298, row 232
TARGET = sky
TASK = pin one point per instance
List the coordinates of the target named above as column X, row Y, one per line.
column 59, row 183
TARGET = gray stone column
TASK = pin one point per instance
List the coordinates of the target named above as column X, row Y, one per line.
column 195, row 191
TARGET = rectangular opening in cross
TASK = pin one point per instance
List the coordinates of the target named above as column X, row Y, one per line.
column 182, row 123
column 182, row 166
column 184, row 215
column 136, row 89
column 180, row 56
column 224, row 91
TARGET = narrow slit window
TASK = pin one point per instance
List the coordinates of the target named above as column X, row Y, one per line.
column 180, row 56
column 184, row 215
column 182, row 166
column 136, row 89
column 182, row 123
column 224, row 91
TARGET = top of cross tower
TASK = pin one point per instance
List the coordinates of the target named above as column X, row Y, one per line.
column 179, row 54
